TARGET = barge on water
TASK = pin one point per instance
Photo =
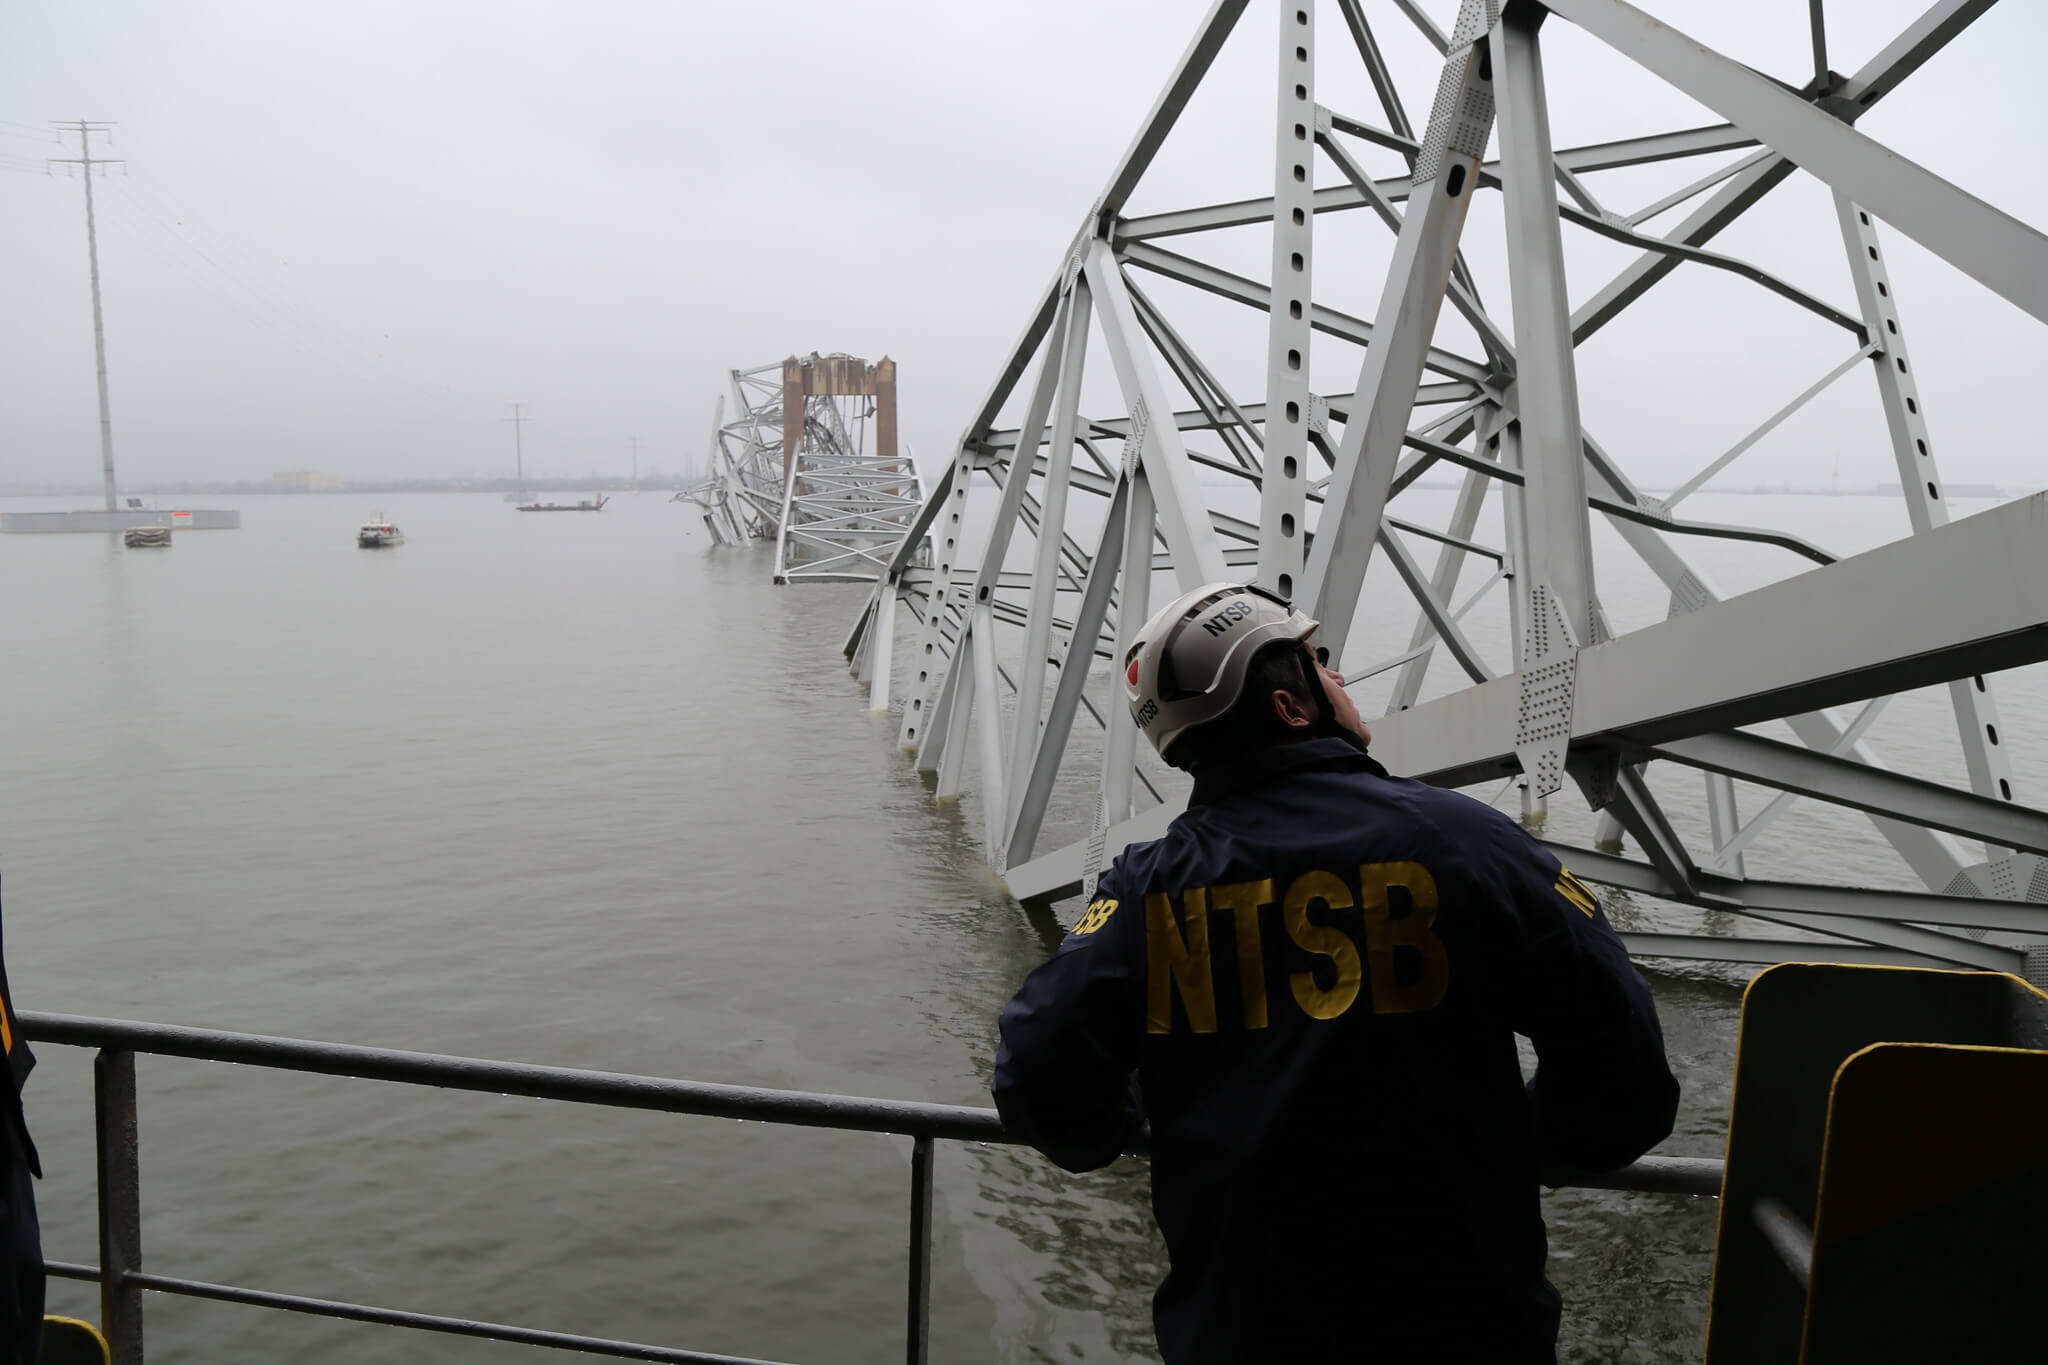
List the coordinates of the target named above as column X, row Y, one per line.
column 586, row 505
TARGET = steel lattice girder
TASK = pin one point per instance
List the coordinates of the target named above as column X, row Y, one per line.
column 742, row 492
column 844, row 505
column 835, row 509
column 1331, row 473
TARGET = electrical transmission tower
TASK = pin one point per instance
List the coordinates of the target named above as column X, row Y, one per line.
column 85, row 129
column 1724, row 732
column 518, row 419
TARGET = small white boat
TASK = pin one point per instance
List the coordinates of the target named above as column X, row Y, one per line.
column 147, row 537
column 375, row 535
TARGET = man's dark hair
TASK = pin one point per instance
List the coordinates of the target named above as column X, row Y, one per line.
column 1250, row 723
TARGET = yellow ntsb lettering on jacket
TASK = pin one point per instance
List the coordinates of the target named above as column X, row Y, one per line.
column 1097, row 915
column 1367, row 939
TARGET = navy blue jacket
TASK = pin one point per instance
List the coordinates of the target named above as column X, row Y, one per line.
column 1316, row 978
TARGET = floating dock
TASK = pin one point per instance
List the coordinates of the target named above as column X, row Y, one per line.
column 121, row 519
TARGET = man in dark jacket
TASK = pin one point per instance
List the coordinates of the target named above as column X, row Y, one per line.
column 1316, row 978
column 21, row 1245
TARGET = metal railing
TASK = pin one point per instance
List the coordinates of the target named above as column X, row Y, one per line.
column 122, row 1279
column 1788, row 1236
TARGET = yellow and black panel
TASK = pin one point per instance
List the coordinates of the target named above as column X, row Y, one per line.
column 1933, row 1197
column 1800, row 1023
column 68, row 1341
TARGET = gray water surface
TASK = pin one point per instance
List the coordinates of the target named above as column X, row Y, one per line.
column 575, row 790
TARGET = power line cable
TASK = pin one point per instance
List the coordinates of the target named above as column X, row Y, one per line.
column 153, row 245
column 221, row 254
column 298, row 316
column 228, row 254
column 252, row 305
column 29, row 133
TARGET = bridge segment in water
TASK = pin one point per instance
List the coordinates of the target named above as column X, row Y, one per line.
column 801, row 466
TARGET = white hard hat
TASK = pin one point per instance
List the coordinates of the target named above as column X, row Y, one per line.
column 1190, row 659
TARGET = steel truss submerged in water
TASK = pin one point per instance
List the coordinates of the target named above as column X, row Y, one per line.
column 834, row 505
column 1949, row 605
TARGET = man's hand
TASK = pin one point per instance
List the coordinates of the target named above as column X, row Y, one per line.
column 1342, row 707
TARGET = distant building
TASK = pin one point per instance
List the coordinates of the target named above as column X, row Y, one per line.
column 304, row 481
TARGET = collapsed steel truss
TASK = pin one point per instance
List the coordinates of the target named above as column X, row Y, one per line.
column 1004, row 641
column 741, row 494
column 835, row 507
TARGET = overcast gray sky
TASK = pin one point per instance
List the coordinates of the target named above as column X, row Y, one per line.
column 349, row 234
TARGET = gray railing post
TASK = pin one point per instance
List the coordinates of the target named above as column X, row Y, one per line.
column 920, row 1297
column 113, row 1089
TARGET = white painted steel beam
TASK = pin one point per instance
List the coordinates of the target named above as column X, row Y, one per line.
column 1436, row 612
column 1420, row 272
column 1987, row 244
column 989, row 727
column 1327, row 320
column 1770, row 424
column 1376, row 68
column 1590, row 216
column 1226, row 416
column 1169, row 480
column 1969, row 598
column 1338, row 198
column 1000, row 443
column 1860, row 787
column 1763, row 952
column 947, row 511
column 1073, row 677
column 1933, row 856
column 1887, row 919
column 1166, row 109
column 1558, row 556
column 1134, row 604
column 1283, row 504
column 1499, row 351
column 944, row 751
column 882, row 624
column 1920, row 481
column 1073, row 353
column 1444, row 581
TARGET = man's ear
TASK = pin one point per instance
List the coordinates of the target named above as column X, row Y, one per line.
column 1296, row 713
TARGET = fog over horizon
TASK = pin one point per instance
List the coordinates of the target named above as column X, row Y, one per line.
column 347, row 237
